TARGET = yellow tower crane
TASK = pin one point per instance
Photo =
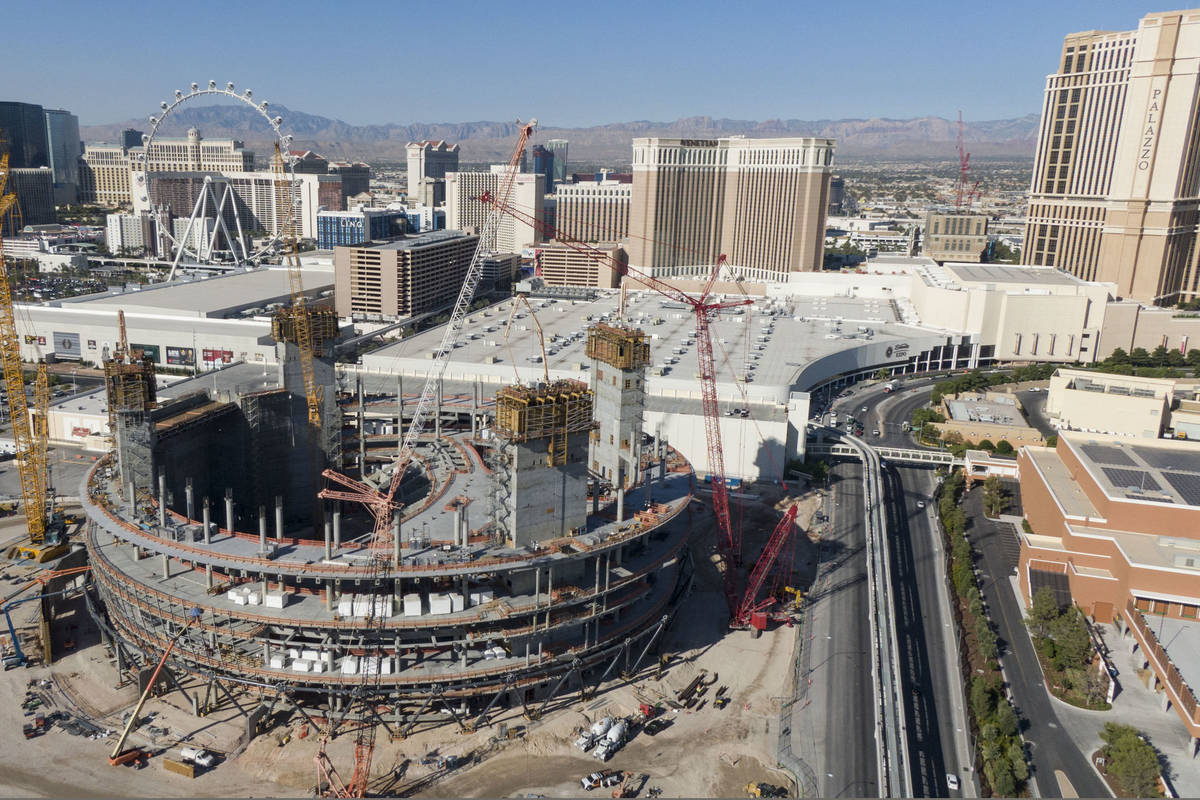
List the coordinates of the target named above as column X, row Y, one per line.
column 31, row 454
column 286, row 214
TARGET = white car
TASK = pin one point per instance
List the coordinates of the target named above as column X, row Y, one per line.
column 920, row 504
column 952, row 781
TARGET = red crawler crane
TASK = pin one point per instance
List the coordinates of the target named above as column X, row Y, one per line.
column 728, row 541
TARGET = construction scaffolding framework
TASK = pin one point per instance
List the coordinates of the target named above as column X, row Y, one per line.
column 618, row 346
column 545, row 411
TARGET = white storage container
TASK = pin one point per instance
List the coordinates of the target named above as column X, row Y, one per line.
column 456, row 602
column 412, row 605
column 350, row 665
column 300, row 665
column 277, row 662
column 277, row 599
column 310, row 655
column 345, row 605
column 439, row 603
column 252, row 598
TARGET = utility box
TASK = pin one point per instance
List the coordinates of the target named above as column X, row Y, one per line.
column 179, row 768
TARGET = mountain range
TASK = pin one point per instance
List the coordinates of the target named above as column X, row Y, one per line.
column 479, row 142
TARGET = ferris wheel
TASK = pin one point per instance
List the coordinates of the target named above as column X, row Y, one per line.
column 219, row 231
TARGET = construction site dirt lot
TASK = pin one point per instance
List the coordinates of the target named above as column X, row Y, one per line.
column 705, row 751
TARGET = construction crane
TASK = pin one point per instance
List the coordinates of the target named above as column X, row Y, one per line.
column 119, row 756
column 381, row 502
column 541, row 337
column 964, row 197
column 30, row 465
column 286, row 215
column 749, row 606
column 705, row 310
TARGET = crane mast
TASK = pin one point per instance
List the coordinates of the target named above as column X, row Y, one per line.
column 31, row 462
column 303, row 324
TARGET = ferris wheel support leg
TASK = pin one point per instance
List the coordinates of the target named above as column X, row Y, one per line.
column 179, row 244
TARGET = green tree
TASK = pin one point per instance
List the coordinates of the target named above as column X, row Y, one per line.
column 987, row 444
column 1131, row 760
column 1000, row 777
column 983, row 700
column 1140, row 357
column 1006, row 719
column 1043, row 613
column 1052, row 441
column 987, row 639
column 1158, row 358
column 1003, row 448
column 1071, row 638
column 1193, row 357
column 1016, row 758
column 1117, row 356
column 995, row 499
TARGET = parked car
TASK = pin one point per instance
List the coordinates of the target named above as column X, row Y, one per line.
column 952, row 781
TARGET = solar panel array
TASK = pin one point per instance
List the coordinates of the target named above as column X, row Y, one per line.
column 1187, row 485
column 1131, row 479
column 1104, row 454
column 1172, row 459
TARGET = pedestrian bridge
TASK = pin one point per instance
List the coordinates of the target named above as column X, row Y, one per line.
column 900, row 455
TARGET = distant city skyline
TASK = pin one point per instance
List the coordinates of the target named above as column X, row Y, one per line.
column 621, row 61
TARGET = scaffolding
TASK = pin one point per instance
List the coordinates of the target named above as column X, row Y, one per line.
column 545, row 411
column 323, row 324
column 618, row 346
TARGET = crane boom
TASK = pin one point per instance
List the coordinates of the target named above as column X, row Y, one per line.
column 32, row 471
column 758, row 576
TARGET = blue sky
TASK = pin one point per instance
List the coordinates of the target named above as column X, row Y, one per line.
column 568, row 63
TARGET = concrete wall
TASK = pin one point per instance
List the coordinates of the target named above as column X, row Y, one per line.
column 547, row 502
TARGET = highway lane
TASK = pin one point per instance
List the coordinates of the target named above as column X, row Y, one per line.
column 833, row 723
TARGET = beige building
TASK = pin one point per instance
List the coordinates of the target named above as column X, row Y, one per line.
column 401, row 278
column 465, row 212
column 593, row 211
column 994, row 416
column 428, row 163
column 760, row 202
column 1120, row 405
column 1129, row 324
column 955, row 237
column 1116, row 184
column 197, row 154
column 104, row 175
column 559, row 265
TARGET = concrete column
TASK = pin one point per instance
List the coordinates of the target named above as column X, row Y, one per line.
column 596, row 588
column 328, row 596
column 229, row 510
column 537, row 587
column 266, row 653
column 549, row 592
column 527, row 652
column 474, row 409
column 162, row 499
column 328, row 539
column 278, row 518
column 195, row 705
column 463, row 662
column 607, row 577
column 337, row 526
column 396, row 539
column 1166, row 700
column 208, row 581
column 206, row 513
column 437, row 416
column 458, row 525
column 262, row 530
column 132, row 492
column 466, row 592
column 596, row 497
column 166, row 565
column 400, row 402
column 263, row 598
column 620, row 504
column 190, row 499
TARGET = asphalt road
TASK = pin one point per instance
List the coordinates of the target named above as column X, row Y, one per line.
column 1051, row 747
column 833, row 725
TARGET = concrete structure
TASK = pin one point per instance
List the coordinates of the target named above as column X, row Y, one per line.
column 1114, row 188
column 761, row 202
column 1115, row 530
column 1130, row 324
column 428, row 163
column 619, row 356
column 35, row 194
column 560, row 265
column 194, row 153
column 593, row 211
column 104, row 175
column 345, row 228
column 499, row 271
column 995, row 416
column 193, row 323
column 400, row 278
column 355, row 177
column 63, row 149
column 132, row 234
column 955, row 237
column 464, row 211
column 463, row 616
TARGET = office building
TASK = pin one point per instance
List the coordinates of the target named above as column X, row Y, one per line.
column 308, row 162
column 428, row 163
column 498, row 272
column 955, row 237
column 837, row 195
column 23, row 125
column 559, row 265
column 593, row 211
column 62, row 145
column 1115, row 188
column 131, row 234
column 104, row 175
column 543, row 164
column 558, row 149
column 1114, row 527
column 131, row 137
column 345, row 228
column 761, row 202
column 34, row 189
column 355, row 175
column 465, row 212
column 1121, row 405
column 401, row 278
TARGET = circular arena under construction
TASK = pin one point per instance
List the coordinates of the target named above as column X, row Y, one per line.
column 537, row 545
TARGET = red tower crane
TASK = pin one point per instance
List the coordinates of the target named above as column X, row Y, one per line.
column 964, row 197
column 705, row 310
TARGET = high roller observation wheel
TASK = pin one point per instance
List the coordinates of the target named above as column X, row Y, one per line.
column 282, row 139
